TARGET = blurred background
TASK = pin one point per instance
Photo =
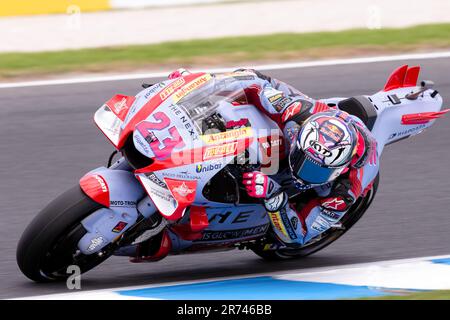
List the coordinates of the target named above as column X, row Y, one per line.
column 50, row 37
column 48, row 139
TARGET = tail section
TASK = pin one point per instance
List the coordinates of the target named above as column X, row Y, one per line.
column 404, row 108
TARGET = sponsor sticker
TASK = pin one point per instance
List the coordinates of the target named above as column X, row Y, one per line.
column 183, row 190
column 119, row 106
column 232, row 124
column 288, row 225
column 119, row 227
column 227, row 136
column 123, row 203
column 233, row 234
column 331, row 216
column 291, row 111
column 96, row 242
column 153, row 90
column 184, row 121
column 406, row 132
column 320, row 224
column 294, row 222
column 153, row 178
column 220, row 151
column 191, row 86
column 171, row 88
column 200, row 168
column 274, row 203
column 336, row 203
column 244, row 77
column 276, row 97
column 281, row 104
column 277, row 222
column 102, row 183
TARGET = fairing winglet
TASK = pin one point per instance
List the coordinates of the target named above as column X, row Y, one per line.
column 163, row 251
column 110, row 117
column 402, row 77
column 424, row 117
column 96, row 188
column 412, row 74
column 396, row 78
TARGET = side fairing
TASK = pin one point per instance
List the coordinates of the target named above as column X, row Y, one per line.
column 227, row 225
column 118, row 191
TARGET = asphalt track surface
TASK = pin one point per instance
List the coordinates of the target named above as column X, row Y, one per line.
column 48, row 141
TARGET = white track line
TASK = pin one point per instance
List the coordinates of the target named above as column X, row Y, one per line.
column 292, row 65
column 109, row 293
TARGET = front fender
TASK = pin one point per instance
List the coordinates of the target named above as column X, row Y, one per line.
column 119, row 192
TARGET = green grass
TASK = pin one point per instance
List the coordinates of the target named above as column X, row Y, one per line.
column 228, row 50
column 428, row 295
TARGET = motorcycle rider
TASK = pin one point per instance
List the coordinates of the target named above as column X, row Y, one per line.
column 331, row 156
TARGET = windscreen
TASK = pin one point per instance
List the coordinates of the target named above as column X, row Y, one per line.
column 203, row 102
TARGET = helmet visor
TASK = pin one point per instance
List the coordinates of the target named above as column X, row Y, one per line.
column 309, row 172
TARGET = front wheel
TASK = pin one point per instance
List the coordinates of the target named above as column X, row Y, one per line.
column 48, row 245
column 350, row 218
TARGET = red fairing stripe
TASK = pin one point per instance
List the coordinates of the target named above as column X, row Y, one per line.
column 96, row 188
column 412, row 74
column 396, row 79
column 119, row 104
column 423, row 117
column 154, row 103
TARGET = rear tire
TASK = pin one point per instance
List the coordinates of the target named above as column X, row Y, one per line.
column 49, row 243
column 350, row 218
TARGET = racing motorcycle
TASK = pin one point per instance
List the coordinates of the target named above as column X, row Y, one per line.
column 183, row 145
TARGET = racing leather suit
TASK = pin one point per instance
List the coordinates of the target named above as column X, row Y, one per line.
column 294, row 225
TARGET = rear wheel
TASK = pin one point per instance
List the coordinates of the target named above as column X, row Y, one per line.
column 49, row 243
column 350, row 218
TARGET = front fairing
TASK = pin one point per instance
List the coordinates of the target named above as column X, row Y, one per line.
column 178, row 122
column 186, row 149
column 170, row 126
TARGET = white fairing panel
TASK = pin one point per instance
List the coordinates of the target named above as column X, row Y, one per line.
column 108, row 123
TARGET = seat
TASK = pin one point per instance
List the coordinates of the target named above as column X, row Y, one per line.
column 360, row 107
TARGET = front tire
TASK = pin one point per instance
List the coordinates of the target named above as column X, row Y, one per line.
column 49, row 243
column 350, row 218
